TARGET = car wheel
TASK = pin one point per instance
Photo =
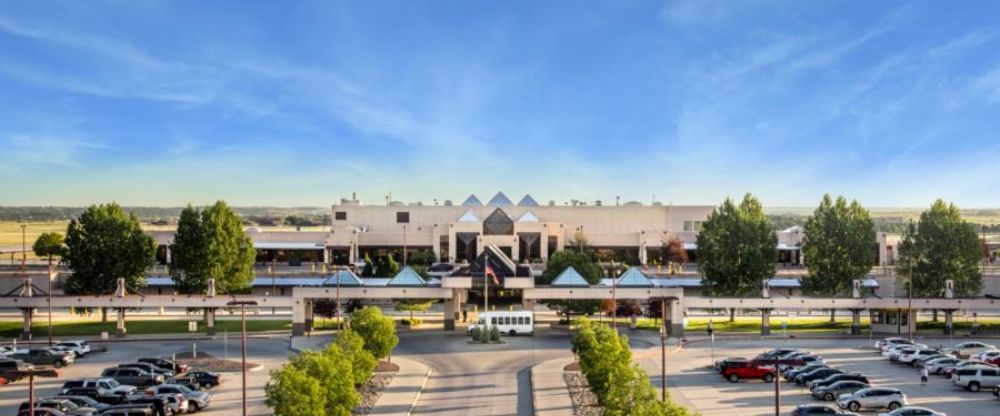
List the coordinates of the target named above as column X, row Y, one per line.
column 768, row 378
column 938, row 371
column 828, row 397
column 854, row 406
column 974, row 387
column 894, row 406
column 733, row 378
column 57, row 364
column 193, row 406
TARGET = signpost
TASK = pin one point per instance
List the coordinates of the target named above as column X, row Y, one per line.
column 192, row 328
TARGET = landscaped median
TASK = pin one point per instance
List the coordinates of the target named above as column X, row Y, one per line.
column 609, row 383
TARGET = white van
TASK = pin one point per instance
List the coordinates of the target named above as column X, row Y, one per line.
column 510, row 322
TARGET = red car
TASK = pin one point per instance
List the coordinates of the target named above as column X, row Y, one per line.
column 736, row 371
column 994, row 361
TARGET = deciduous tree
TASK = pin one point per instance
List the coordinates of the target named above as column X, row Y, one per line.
column 293, row 392
column 737, row 249
column 840, row 245
column 211, row 244
column 49, row 245
column 378, row 331
column 941, row 246
column 363, row 362
column 103, row 245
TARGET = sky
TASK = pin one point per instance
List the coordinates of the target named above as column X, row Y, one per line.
column 164, row 103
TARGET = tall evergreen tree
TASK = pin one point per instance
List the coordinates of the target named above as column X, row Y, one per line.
column 737, row 249
column 103, row 245
column 839, row 246
column 941, row 246
column 211, row 244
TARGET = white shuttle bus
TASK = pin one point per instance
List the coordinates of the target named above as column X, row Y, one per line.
column 510, row 322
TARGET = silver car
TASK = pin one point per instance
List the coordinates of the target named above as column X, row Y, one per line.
column 835, row 390
column 913, row 411
column 197, row 400
column 873, row 398
column 937, row 365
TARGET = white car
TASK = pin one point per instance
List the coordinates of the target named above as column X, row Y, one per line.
column 895, row 353
column 985, row 355
column 872, row 398
column 895, row 349
column 892, row 342
column 967, row 349
column 913, row 411
column 973, row 378
column 917, row 358
column 78, row 347
column 937, row 365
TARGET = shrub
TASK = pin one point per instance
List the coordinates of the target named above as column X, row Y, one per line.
column 495, row 333
column 362, row 361
column 292, row 392
column 475, row 333
column 411, row 321
column 378, row 331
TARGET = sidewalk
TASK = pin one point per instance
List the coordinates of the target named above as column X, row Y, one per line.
column 316, row 341
column 548, row 388
column 405, row 389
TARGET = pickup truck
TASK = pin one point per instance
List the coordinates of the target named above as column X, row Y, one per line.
column 45, row 356
column 14, row 370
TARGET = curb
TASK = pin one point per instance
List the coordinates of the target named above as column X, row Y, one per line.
column 531, row 378
column 419, row 392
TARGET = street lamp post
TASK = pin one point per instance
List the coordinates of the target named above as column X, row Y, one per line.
column 663, row 350
column 51, row 276
column 31, row 385
column 243, row 322
column 614, row 298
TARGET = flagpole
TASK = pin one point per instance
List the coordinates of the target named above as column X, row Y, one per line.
column 486, row 284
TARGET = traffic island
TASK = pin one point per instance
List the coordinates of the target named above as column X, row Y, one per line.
column 208, row 362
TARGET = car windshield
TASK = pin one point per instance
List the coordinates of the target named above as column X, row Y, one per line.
column 183, row 389
column 113, row 383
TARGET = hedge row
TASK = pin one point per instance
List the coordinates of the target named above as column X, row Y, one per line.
column 621, row 387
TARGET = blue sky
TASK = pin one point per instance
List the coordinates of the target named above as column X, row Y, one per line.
column 301, row 103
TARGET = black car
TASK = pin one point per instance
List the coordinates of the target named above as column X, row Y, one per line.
column 166, row 364
column 130, row 410
column 818, row 374
column 96, row 393
column 161, row 405
column 839, row 377
column 791, row 374
column 205, row 379
column 85, row 401
column 819, row 409
column 152, row 368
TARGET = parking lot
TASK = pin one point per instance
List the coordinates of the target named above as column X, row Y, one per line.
column 696, row 385
column 226, row 399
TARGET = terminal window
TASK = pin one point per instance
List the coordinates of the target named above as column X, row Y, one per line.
column 340, row 215
column 402, row 217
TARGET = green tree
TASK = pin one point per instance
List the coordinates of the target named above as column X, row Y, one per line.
column 369, row 269
column 378, row 331
column 328, row 367
column 363, row 362
column 211, row 244
column 49, row 245
column 584, row 264
column 293, row 392
column 413, row 305
column 841, row 246
column 737, row 249
column 941, row 246
column 103, row 245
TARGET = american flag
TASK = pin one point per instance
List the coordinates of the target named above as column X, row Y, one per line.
column 489, row 272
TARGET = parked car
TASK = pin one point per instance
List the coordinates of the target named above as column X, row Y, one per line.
column 896, row 353
column 197, row 400
column 967, row 349
column 164, row 363
column 888, row 343
column 817, row 374
column 973, row 378
column 913, row 411
column 895, row 349
column 6, row 351
column 85, row 401
column 791, row 374
column 819, row 409
column 133, row 376
column 45, row 356
column 916, row 358
column 61, row 405
column 839, row 377
column 178, row 403
column 949, row 371
column 832, row 391
column 203, row 379
column 161, row 405
column 149, row 368
column 96, row 393
column 109, row 384
column 803, row 360
column 41, row 412
column 873, row 398
column 79, row 347
column 937, row 365
column 985, row 355
column 131, row 410
column 737, row 371
column 14, row 370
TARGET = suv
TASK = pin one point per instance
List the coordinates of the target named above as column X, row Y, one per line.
column 916, row 358
column 721, row 365
column 133, row 376
column 161, row 405
column 96, row 393
column 975, row 377
column 873, row 398
column 61, row 405
column 46, row 356
column 830, row 392
column 109, row 384
column 737, row 371
column 815, row 375
column 79, row 348
column 149, row 367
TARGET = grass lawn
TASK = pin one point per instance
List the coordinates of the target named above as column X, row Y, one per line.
column 12, row 329
column 805, row 324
